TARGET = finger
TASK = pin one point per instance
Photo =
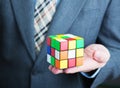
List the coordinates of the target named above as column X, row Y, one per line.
column 71, row 70
column 50, row 67
column 88, row 65
column 78, row 69
column 54, row 70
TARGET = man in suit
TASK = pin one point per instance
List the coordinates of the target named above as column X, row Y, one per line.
column 97, row 21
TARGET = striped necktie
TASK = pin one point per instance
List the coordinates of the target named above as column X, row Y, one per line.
column 44, row 11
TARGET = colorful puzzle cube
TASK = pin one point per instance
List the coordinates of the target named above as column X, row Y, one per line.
column 65, row 50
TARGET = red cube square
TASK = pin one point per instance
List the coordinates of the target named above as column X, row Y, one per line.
column 71, row 62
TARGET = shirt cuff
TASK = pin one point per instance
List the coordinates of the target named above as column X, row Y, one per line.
column 87, row 75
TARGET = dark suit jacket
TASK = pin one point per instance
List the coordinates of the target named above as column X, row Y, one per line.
column 98, row 21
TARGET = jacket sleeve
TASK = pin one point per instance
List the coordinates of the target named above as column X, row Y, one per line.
column 92, row 74
column 109, row 36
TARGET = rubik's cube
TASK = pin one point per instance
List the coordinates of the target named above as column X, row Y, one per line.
column 65, row 50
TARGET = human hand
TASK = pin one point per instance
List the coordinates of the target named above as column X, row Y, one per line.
column 95, row 56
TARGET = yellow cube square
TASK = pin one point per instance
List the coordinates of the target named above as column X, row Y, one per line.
column 60, row 35
column 72, row 44
column 80, row 52
column 63, row 64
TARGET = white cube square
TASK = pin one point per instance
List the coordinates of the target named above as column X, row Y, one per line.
column 71, row 54
column 70, row 35
column 57, row 54
column 48, row 58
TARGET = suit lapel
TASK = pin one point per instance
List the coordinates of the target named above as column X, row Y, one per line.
column 66, row 13
column 24, row 10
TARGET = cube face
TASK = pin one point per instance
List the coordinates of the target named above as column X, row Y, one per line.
column 65, row 50
column 55, row 44
column 72, row 44
column 48, row 49
column 53, row 52
column 71, row 54
column 79, row 61
column 63, row 55
column 48, row 41
column 80, row 43
column 51, row 60
column 61, row 64
column 57, row 54
column 48, row 58
column 57, row 64
column 79, row 52
column 64, row 45
column 71, row 63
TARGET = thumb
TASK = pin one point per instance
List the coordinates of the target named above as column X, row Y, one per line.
column 101, row 55
column 98, row 52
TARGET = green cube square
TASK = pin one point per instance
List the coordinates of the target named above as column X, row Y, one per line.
column 52, row 61
column 57, row 45
column 65, row 37
column 80, row 43
column 53, row 42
